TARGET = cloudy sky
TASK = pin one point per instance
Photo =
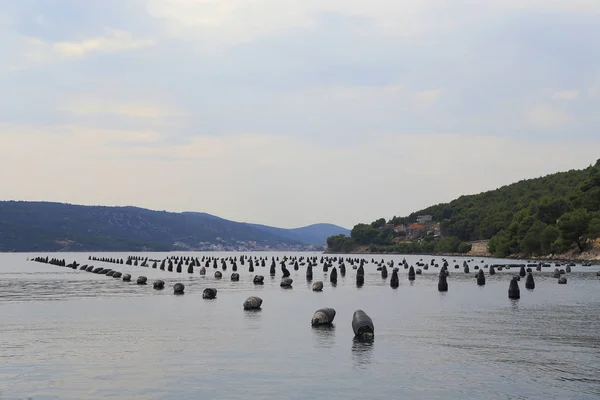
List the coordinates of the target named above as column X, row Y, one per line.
column 291, row 112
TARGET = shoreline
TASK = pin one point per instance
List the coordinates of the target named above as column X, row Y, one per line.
column 593, row 258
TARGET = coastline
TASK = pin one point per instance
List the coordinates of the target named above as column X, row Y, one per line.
column 592, row 255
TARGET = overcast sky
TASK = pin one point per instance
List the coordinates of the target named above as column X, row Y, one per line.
column 291, row 112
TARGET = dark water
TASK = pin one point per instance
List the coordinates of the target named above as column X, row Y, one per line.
column 69, row 334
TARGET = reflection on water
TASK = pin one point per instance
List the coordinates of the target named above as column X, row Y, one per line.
column 324, row 336
column 362, row 352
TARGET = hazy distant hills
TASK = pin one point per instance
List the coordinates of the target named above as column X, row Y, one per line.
column 311, row 234
column 45, row 226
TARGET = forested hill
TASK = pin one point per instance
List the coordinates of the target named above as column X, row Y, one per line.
column 45, row 226
column 544, row 215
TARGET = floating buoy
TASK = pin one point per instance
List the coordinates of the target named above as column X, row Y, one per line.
column 333, row 276
column 158, row 284
column 178, row 288
column 442, row 281
column 513, row 290
column 362, row 325
column 394, row 280
column 209, row 293
column 529, row 283
column 323, row 316
column 480, row 278
column 411, row 273
column 252, row 303
column 286, row 282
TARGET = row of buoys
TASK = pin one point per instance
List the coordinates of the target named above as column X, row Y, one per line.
column 327, row 263
column 286, row 282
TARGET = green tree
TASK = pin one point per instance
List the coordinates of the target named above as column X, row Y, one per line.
column 573, row 226
column 364, row 234
column 380, row 223
column 340, row 243
column 464, row 247
column 532, row 241
column 594, row 228
column 447, row 245
column 548, row 237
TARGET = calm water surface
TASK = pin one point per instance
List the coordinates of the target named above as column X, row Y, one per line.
column 69, row 334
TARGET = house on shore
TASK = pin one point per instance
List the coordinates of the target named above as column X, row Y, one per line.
column 414, row 230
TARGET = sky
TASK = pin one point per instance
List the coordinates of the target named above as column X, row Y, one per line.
column 293, row 112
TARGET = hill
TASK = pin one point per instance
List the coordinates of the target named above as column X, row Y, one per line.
column 545, row 215
column 45, row 226
column 311, row 234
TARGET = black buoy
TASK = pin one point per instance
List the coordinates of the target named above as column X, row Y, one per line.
column 158, row 284
column 394, row 280
column 360, row 280
column 252, row 303
column 333, row 276
column 178, row 288
column 323, row 316
column 529, row 283
column 480, row 278
column 286, row 282
column 443, row 281
column 362, row 325
column 513, row 290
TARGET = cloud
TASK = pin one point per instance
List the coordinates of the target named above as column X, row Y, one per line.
column 113, row 41
column 565, row 95
column 25, row 52
column 99, row 106
column 427, row 98
column 547, row 117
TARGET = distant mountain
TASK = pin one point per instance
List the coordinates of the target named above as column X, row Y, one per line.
column 46, row 226
column 311, row 234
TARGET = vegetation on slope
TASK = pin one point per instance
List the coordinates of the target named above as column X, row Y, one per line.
column 44, row 226
column 551, row 214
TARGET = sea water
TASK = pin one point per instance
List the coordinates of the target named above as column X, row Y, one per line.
column 70, row 334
